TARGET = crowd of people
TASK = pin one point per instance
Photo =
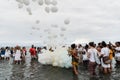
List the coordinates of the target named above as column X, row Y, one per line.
column 93, row 56
column 17, row 53
column 103, row 55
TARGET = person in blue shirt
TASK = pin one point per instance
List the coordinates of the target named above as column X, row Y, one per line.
column 2, row 53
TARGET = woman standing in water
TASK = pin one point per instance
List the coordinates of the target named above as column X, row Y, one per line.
column 75, row 58
column 105, row 51
column 7, row 53
column 111, row 56
column 17, row 55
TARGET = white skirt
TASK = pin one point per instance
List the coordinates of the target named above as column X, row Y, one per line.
column 2, row 55
column 113, row 63
column 17, row 57
column 105, row 65
column 7, row 54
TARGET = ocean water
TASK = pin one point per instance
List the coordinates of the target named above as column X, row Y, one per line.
column 33, row 70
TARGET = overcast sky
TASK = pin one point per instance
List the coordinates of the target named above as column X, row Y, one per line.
column 90, row 20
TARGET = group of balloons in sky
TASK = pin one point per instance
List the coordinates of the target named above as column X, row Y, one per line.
column 48, row 9
column 53, row 8
column 49, row 6
column 54, row 31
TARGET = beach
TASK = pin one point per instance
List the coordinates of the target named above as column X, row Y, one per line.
column 33, row 70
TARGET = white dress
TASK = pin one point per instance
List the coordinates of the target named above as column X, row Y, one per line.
column 17, row 55
column 7, row 53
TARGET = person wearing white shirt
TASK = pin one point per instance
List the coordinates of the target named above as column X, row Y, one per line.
column 91, row 55
column 117, row 52
column 80, row 51
column 105, row 52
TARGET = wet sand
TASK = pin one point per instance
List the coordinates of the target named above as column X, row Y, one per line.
column 33, row 70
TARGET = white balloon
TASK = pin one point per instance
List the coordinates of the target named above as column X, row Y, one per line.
column 30, row 33
column 29, row 10
column 33, row 0
column 65, row 38
column 66, row 21
column 54, row 2
column 33, row 28
column 26, row 2
column 49, row 37
column 46, row 30
column 40, row 36
column 47, row 2
column 63, row 29
column 20, row 5
column 40, row 2
column 37, row 21
column 54, row 9
column 54, row 25
column 44, row 42
column 55, row 36
column 61, row 35
column 47, row 9
column 38, row 28
column 49, row 32
column 30, row 13
column 20, row 1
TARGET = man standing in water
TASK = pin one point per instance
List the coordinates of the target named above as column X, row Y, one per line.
column 33, row 52
column 75, row 58
column 92, row 54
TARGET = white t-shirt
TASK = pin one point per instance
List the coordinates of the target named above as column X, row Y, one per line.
column 105, row 51
column 117, row 54
column 85, row 57
column 93, row 53
column 80, row 49
column 118, row 49
column 17, row 55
